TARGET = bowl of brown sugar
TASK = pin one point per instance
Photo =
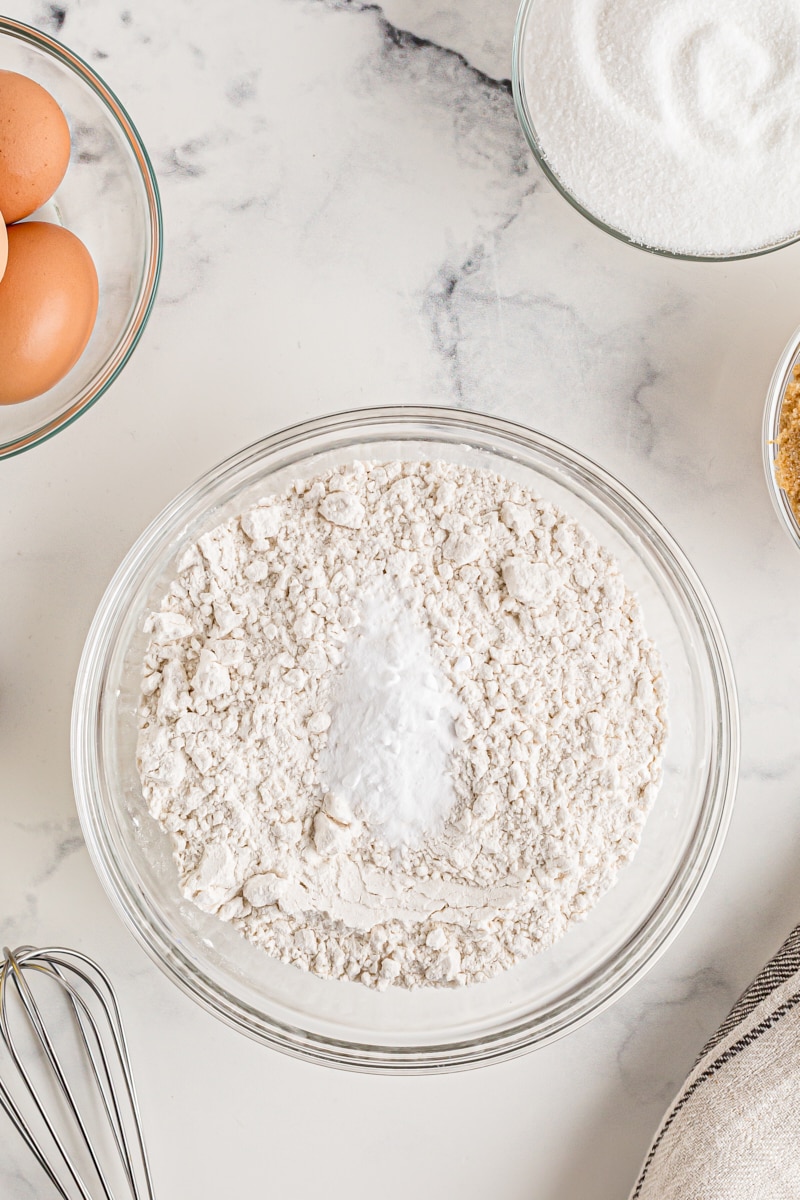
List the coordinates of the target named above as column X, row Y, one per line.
column 781, row 438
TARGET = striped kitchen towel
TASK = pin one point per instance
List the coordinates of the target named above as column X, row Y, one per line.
column 733, row 1130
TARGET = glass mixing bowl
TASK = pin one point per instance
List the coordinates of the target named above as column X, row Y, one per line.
column 346, row 1024
column 525, row 33
column 782, row 377
column 109, row 198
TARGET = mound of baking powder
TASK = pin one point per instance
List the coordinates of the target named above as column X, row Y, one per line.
column 391, row 733
column 402, row 723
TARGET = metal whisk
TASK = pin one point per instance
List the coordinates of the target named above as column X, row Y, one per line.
column 59, row 1018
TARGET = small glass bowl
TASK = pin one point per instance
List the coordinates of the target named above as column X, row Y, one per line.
column 525, row 106
column 345, row 1024
column 781, row 378
column 109, row 198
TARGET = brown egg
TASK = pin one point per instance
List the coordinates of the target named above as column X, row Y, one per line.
column 34, row 145
column 3, row 246
column 48, row 305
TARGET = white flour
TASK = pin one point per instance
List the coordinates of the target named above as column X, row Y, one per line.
column 402, row 722
column 676, row 121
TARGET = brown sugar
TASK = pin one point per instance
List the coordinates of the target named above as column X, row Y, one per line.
column 787, row 462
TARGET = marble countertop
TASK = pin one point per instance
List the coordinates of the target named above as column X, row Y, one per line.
column 352, row 218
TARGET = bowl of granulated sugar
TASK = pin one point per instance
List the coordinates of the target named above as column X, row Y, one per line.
column 675, row 127
column 405, row 740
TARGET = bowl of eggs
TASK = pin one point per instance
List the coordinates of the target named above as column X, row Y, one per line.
column 80, row 237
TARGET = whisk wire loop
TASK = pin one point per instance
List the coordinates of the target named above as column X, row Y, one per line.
column 105, row 1086
column 38, row 1027
column 98, row 1023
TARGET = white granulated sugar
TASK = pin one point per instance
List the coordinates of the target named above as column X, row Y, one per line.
column 391, row 734
column 402, row 722
column 675, row 121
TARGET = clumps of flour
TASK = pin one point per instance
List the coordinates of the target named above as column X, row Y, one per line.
column 402, row 723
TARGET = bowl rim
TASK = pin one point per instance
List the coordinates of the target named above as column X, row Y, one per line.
column 148, row 287
column 525, row 118
column 629, row 963
column 781, row 377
